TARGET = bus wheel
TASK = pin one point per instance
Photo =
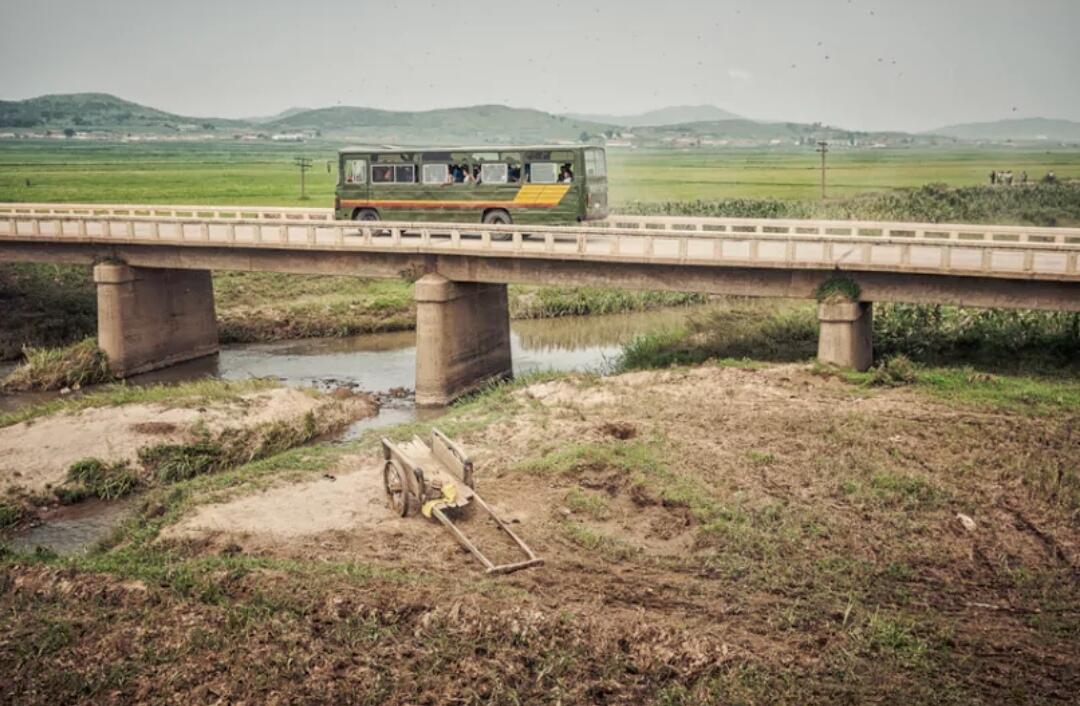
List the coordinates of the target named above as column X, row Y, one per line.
column 366, row 214
column 498, row 217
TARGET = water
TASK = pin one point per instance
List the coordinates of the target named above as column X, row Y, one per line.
column 383, row 364
column 75, row 529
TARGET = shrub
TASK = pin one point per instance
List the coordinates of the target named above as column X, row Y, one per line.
column 100, row 479
column 171, row 463
column 839, row 288
column 79, row 364
column 894, row 372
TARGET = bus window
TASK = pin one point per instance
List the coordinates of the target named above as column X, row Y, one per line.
column 435, row 173
column 382, row 174
column 595, row 163
column 494, row 173
column 355, row 171
column 405, row 174
column 543, row 173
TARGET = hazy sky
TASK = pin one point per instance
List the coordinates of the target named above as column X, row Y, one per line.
column 862, row 64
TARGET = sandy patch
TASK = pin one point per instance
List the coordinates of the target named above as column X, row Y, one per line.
column 350, row 501
column 37, row 453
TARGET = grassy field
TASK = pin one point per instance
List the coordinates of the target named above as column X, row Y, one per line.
column 243, row 173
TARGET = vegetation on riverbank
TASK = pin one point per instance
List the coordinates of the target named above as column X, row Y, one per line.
column 991, row 339
column 70, row 367
column 831, row 521
column 265, row 306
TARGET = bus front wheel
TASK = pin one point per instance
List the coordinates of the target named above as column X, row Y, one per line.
column 366, row 214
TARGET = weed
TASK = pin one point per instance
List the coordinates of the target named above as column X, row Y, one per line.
column 100, row 479
column 587, row 538
column 894, row 372
column 11, row 513
column 592, row 504
column 838, row 288
column 73, row 366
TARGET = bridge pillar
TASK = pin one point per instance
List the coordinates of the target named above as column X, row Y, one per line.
column 846, row 337
column 149, row 318
column 462, row 338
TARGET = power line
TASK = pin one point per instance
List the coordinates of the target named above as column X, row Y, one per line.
column 823, row 149
column 305, row 164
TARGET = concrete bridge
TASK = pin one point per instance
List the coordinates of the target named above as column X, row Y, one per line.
column 152, row 267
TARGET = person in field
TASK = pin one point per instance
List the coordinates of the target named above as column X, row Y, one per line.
column 993, row 178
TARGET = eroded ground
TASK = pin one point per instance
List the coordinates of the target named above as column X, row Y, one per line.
column 38, row 452
column 716, row 534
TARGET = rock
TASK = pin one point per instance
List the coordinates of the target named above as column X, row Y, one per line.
column 565, row 511
column 967, row 522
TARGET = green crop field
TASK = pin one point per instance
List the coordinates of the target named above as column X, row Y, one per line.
column 262, row 173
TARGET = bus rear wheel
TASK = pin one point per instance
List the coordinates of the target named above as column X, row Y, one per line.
column 366, row 214
column 498, row 217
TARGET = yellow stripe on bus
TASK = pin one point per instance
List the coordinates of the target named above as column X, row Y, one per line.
column 541, row 194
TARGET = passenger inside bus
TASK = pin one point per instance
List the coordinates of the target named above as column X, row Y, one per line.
column 566, row 174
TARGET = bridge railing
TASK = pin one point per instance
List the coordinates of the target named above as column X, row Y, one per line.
column 168, row 211
column 919, row 231
column 924, row 248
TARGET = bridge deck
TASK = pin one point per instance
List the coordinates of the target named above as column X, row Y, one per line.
column 1006, row 252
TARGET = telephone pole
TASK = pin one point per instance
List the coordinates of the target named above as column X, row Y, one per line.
column 305, row 164
column 823, row 149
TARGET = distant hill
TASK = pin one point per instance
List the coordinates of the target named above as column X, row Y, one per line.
column 259, row 120
column 480, row 123
column 672, row 115
column 93, row 110
column 1020, row 129
column 742, row 129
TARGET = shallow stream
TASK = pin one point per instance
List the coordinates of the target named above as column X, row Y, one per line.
column 383, row 364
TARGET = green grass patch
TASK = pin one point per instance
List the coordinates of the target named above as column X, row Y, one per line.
column 733, row 330
column 1016, row 393
column 171, row 463
column 587, row 538
column 72, row 366
column 588, row 503
column 107, row 481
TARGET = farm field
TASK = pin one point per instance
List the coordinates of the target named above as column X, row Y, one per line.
column 242, row 173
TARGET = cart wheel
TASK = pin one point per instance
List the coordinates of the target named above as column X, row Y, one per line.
column 397, row 488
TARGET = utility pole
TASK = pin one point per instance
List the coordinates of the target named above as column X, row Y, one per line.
column 305, row 164
column 823, row 149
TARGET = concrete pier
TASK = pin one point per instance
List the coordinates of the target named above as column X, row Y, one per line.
column 149, row 318
column 846, row 337
column 462, row 338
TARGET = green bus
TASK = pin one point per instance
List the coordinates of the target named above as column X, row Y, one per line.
column 540, row 184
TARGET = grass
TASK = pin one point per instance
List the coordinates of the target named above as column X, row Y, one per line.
column 107, row 481
column 186, row 394
column 237, row 173
column 171, row 463
column 1027, row 394
column 72, row 366
column 790, row 177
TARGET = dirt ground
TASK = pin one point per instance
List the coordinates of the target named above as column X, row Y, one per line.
column 37, row 453
column 711, row 535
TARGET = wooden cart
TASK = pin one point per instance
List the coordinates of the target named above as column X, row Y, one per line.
column 437, row 479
